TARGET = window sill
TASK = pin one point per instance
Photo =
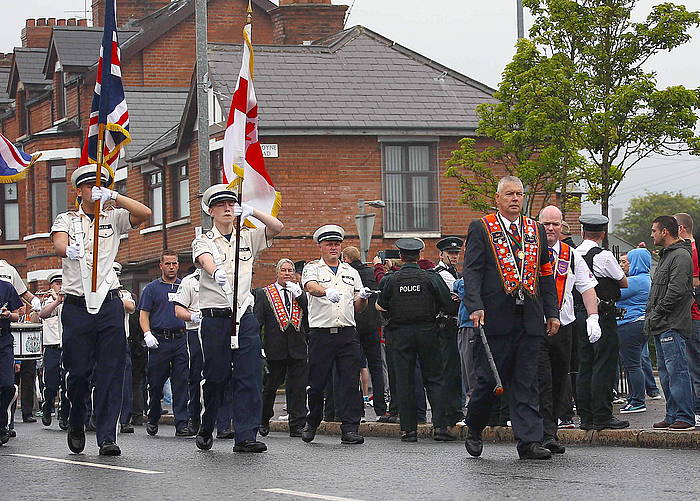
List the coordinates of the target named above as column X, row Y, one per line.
column 34, row 236
column 414, row 234
column 61, row 120
column 12, row 246
column 151, row 229
column 179, row 222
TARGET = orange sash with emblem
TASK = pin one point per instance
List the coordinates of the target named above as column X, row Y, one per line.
column 561, row 270
column 283, row 319
column 503, row 253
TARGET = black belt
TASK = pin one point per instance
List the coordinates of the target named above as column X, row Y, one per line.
column 332, row 330
column 80, row 300
column 220, row 312
column 169, row 333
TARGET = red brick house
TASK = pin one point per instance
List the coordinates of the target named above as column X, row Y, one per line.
column 345, row 115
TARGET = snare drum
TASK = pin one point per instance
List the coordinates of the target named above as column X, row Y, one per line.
column 28, row 339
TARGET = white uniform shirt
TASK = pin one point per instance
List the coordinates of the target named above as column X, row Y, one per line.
column 211, row 295
column 8, row 273
column 187, row 295
column 604, row 263
column 581, row 277
column 52, row 327
column 446, row 276
column 323, row 313
column 77, row 274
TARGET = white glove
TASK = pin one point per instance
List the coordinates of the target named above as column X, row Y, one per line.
column 334, row 295
column 74, row 251
column 36, row 304
column 150, row 339
column 220, row 277
column 365, row 293
column 244, row 211
column 103, row 194
column 593, row 328
column 294, row 289
column 196, row 317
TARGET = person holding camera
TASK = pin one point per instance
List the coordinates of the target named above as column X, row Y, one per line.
column 598, row 354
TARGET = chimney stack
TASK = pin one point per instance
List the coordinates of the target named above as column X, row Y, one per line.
column 37, row 32
column 297, row 21
column 127, row 10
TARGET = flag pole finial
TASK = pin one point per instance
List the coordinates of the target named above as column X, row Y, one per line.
column 249, row 17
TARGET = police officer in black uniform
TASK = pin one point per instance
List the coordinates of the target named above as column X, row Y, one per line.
column 598, row 358
column 413, row 297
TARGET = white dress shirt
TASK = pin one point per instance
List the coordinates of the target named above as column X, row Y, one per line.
column 604, row 263
column 581, row 277
column 323, row 313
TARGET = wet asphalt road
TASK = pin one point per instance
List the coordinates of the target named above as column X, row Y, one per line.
column 382, row 468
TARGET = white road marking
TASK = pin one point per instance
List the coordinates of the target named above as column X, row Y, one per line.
column 85, row 463
column 310, row 495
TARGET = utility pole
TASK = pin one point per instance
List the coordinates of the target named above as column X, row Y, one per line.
column 521, row 23
column 202, row 101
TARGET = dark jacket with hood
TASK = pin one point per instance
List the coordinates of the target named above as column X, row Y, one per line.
column 671, row 293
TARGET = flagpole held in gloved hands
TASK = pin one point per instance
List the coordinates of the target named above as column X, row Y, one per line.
column 98, row 183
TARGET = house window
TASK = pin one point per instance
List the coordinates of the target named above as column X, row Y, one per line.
column 410, row 188
column 181, row 191
column 57, row 188
column 22, row 113
column 120, row 187
column 10, row 212
column 61, row 97
column 155, row 190
column 216, row 165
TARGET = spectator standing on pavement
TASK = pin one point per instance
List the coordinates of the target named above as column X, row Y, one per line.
column 570, row 270
column 336, row 294
column 280, row 308
column 630, row 328
column 368, row 323
column 598, row 354
column 692, row 343
column 166, row 339
column 668, row 320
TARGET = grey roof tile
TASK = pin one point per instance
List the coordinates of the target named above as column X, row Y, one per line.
column 80, row 45
column 30, row 65
column 4, row 77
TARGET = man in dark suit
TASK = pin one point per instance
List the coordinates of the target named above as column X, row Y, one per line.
column 281, row 308
column 509, row 290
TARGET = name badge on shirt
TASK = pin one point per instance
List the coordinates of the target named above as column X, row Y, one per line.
column 106, row 230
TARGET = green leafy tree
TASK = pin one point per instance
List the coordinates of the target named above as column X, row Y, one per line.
column 635, row 227
column 533, row 133
column 620, row 115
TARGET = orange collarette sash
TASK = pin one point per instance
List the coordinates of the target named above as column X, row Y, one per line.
column 280, row 311
column 561, row 270
column 503, row 254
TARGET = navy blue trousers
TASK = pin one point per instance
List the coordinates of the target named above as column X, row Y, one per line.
column 8, row 390
column 99, row 342
column 194, row 379
column 54, row 381
column 169, row 360
column 342, row 348
column 241, row 369
column 127, row 391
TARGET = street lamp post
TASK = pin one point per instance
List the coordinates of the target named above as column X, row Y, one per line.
column 365, row 224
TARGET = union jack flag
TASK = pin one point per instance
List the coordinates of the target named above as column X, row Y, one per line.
column 108, row 101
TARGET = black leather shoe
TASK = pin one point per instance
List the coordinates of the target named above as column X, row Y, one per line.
column 12, row 433
column 250, row 446
column 137, row 420
column 554, row 446
column 409, row 436
column 110, row 449
column 184, row 432
column 152, row 429
column 193, row 426
column 46, row 418
column 4, row 436
column 474, row 443
column 264, row 430
column 204, row 442
column 76, row 439
column 294, row 432
column 535, row 451
column 126, row 428
column 29, row 419
column 352, row 437
column 613, row 424
column 227, row 434
column 443, row 435
column 63, row 424
column 308, row 433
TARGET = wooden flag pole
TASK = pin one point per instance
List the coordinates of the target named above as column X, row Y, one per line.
column 98, row 182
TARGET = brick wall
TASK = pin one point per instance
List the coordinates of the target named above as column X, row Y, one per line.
column 126, row 10
column 295, row 21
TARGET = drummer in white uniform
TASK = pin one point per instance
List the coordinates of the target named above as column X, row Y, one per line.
column 10, row 303
column 93, row 323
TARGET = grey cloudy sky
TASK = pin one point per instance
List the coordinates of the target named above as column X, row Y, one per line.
column 474, row 37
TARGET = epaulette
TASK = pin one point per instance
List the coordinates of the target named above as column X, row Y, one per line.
column 209, row 234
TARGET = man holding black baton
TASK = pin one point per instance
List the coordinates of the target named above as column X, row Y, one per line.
column 509, row 291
